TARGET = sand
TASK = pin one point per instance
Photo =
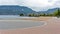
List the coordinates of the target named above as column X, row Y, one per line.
column 52, row 27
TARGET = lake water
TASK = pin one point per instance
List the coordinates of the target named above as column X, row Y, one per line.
column 13, row 16
column 15, row 24
column 19, row 24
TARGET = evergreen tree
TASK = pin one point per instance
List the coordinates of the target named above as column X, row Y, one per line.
column 58, row 12
column 22, row 14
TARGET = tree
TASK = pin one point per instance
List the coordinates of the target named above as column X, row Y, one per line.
column 22, row 14
column 42, row 14
column 55, row 13
column 50, row 15
column 36, row 15
column 58, row 12
column 31, row 15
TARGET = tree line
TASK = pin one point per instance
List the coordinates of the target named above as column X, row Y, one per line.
column 55, row 13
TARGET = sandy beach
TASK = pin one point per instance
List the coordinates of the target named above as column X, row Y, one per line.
column 52, row 27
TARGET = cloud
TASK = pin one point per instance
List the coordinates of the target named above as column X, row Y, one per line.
column 36, row 5
column 42, row 4
column 8, row 2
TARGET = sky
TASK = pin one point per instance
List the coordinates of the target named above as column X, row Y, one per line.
column 37, row 5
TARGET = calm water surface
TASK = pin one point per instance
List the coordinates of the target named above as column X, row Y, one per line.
column 17, row 23
column 13, row 16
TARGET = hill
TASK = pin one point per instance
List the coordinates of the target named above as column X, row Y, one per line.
column 14, row 10
column 49, row 11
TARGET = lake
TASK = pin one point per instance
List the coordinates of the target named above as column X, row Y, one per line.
column 17, row 24
column 13, row 16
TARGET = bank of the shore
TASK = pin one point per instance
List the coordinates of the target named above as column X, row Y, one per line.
column 24, row 18
column 39, row 18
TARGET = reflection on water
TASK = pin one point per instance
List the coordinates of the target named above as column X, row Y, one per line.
column 9, row 16
column 13, row 16
column 19, row 24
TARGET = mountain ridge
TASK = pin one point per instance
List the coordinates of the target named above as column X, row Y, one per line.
column 16, row 10
column 49, row 11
